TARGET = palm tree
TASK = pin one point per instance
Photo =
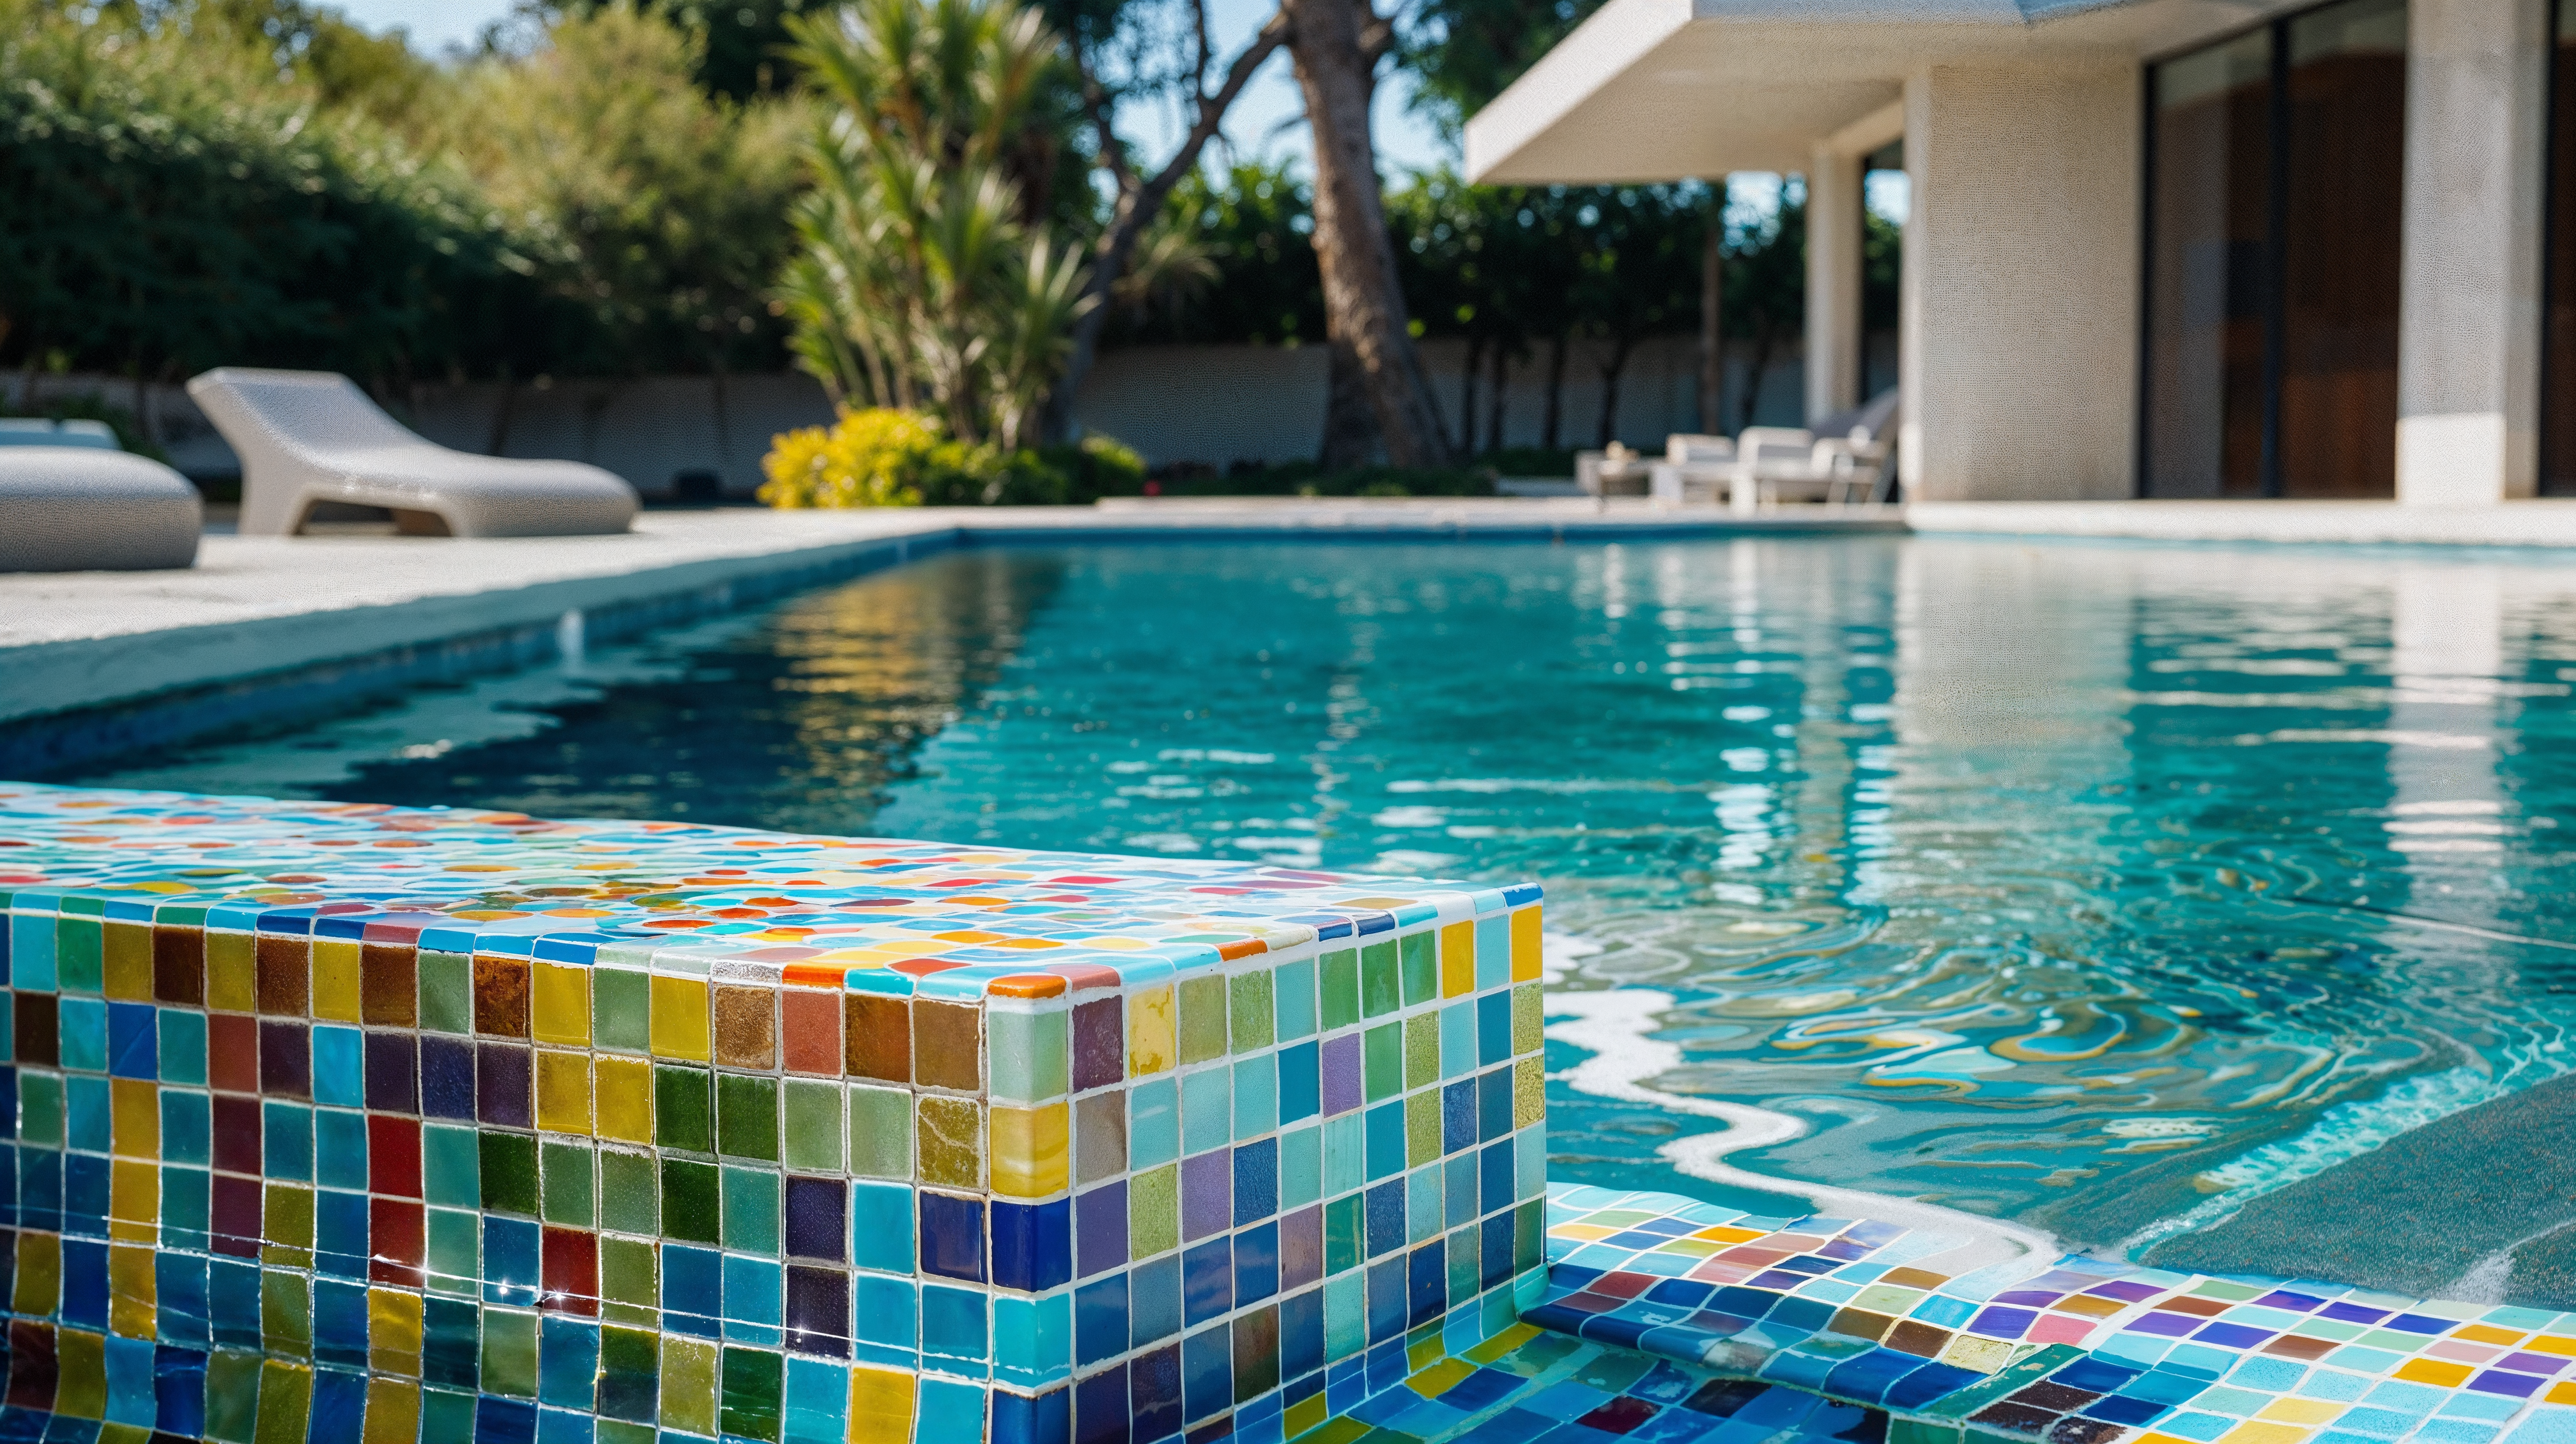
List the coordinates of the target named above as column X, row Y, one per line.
column 923, row 282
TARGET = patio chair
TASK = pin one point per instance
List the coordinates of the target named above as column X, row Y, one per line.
column 1843, row 459
column 72, row 503
column 309, row 439
column 1765, row 457
column 1694, row 467
column 1616, row 471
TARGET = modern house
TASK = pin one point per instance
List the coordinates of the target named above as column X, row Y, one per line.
column 2158, row 248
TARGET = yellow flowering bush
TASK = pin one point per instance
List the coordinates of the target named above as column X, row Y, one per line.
column 877, row 457
column 886, row 457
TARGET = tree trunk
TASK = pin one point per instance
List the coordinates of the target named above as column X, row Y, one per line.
column 1553, row 414
column 1712, row 295
column 1494, row 397
column 1610, row 370
column 1753, row 375
column 1467, row 378
column 502, row 413
column 1363, row 303
column 724, row 418
column 1350, row 423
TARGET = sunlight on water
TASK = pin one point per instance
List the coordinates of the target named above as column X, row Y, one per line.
column 2094, row 886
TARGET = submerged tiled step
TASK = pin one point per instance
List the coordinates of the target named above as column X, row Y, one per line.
column 2069, row 1350
column 342, row 1122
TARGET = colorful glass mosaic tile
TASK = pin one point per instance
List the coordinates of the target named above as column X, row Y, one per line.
column 2070, row 1351
column 434, row 1124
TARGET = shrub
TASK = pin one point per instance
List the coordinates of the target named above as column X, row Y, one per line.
column 883, row 456
column 1096, row 466
column 987, row 475
column 876, row 457
column 172, row 205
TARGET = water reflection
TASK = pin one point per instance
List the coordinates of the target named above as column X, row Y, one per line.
column 2098, row 886
column 804, row 722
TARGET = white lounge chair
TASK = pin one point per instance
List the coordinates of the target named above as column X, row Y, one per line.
column 1694, row 466
column 72, row 504
column 308, row 438
column 1854, row 450
column 1615, row 472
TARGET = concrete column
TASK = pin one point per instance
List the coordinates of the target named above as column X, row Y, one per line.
column 1833, row 281
column 2020, row 345
column 2468, row 349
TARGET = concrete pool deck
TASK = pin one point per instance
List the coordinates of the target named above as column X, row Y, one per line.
column 2549, row 522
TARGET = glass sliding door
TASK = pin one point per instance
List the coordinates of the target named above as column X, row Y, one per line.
column 2343, row 219
column 2275, row 160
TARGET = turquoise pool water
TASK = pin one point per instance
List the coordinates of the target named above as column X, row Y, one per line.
column 2108, row 889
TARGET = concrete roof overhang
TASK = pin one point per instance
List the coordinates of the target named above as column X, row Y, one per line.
column 1655, row 90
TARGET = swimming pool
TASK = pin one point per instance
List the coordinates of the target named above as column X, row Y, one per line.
column 2138, row 894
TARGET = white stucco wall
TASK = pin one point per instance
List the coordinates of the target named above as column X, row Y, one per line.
column 2021, row 281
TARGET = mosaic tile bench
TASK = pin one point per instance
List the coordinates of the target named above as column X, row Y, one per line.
column 338, row 1123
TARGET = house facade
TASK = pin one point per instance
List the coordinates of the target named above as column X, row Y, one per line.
column 2156, row 248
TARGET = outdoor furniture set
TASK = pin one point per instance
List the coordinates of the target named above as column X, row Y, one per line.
column 1841, row 460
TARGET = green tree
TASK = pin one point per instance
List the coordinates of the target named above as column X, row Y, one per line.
column 1463, row 53
column 740, row 47
column 179, row 197
column 345, row 68
column 1766, row 286
column 1496, row 266
column 1638, row 274
column 1249, row 224
column 658, row 210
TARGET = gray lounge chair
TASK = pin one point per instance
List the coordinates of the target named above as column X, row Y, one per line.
column 71, row 502
column 311, row 438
